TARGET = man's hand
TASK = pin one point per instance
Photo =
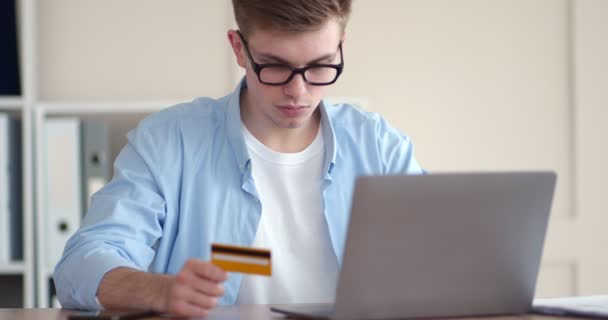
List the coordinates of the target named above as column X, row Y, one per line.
column 192, row 292
column 195, row 289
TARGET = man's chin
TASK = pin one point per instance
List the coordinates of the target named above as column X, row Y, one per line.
column 290, row 124
column 293, row 125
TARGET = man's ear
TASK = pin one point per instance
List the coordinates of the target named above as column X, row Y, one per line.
column 237, row 48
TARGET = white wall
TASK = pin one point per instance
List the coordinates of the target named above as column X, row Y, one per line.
column 502, row 84
column 139, row 49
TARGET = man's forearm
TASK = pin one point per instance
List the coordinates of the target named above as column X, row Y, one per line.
column 126, row 288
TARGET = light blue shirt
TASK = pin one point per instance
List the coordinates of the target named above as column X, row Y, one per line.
column 184, row 181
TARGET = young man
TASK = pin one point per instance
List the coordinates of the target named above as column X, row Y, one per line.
column 270, row 165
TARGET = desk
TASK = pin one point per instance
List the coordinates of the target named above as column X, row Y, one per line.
column 244, row 312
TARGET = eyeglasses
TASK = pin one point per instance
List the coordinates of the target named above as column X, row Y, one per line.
column 275, row 74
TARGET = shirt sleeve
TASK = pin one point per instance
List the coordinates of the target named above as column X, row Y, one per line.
column 396, row 151
column 120, row 229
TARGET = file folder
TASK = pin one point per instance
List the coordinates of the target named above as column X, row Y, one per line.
column 4, row 185
column 95, row 159
column 63, row 194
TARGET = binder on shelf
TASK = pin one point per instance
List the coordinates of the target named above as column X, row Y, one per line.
column 11, row 217
column 95, row 159
column 15, row 202
column 4, row 185
column 10, row 83
column 63, row 195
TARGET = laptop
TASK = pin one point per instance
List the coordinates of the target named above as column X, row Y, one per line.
column 440, row 245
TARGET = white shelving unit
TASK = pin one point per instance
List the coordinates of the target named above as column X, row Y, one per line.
column 18, row 276
column 92, row 108
column 11, row 103
column 14, row 268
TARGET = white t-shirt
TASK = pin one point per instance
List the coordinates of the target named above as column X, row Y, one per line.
column 292, row 225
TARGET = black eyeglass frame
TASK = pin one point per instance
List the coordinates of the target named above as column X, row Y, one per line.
column 258, row 67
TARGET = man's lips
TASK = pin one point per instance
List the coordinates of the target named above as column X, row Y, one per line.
column 292, row 110
column 291, row 107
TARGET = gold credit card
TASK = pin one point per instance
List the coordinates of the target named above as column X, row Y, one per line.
column 241, row 259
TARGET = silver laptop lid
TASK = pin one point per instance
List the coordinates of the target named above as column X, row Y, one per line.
column 444, row 245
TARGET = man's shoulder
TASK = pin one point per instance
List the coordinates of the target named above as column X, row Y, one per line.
column 346, row 115
column 182, row 127
column 355, row 122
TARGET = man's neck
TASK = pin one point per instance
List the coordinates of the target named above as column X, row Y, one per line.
column 284, row 140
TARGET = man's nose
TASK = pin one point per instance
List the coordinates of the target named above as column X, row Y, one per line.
column 296, row 87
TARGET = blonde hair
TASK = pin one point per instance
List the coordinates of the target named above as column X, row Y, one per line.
column 289, row 15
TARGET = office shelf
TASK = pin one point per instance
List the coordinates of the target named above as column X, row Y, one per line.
column 12, row 268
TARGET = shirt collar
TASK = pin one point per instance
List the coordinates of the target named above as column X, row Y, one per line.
column 233, row 126
column 237, row 141
column 329, row 136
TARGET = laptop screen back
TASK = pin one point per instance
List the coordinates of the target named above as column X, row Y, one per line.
column 444, row 245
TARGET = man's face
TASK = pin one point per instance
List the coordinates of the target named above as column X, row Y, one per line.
column 293, row 104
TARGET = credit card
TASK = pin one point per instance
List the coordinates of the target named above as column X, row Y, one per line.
column 241, row 259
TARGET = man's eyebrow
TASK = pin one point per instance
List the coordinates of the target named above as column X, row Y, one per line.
column 271, row 57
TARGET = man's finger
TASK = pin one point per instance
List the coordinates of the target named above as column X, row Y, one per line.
column 183, row 308
column 193, row 297
column 207, row 270
column 210, row 288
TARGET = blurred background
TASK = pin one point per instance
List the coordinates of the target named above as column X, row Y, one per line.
column 477, row 84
